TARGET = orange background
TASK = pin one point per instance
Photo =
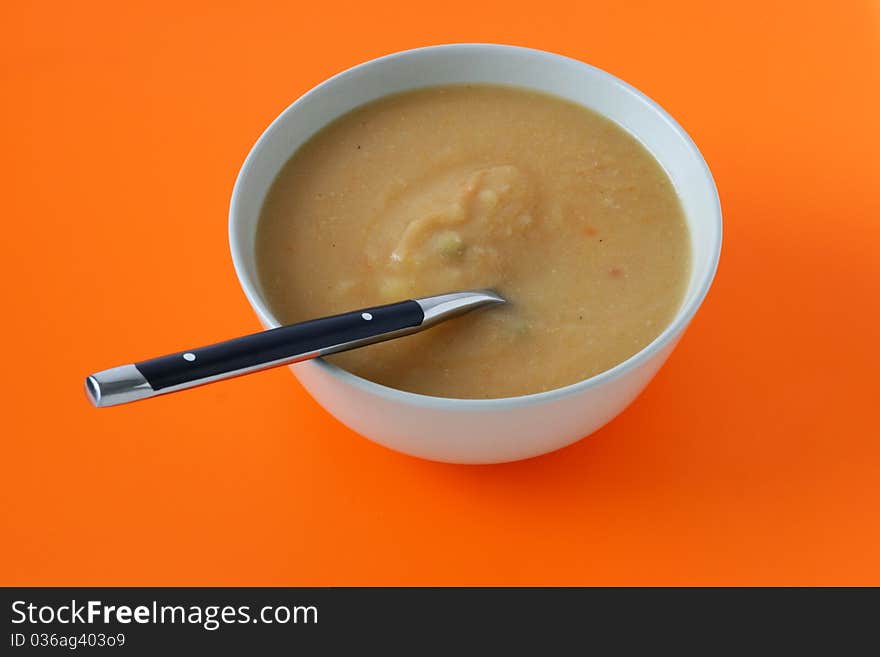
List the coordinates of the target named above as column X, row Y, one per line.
column 753, row 458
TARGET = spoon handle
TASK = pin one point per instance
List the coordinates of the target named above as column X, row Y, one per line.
column 279, row 346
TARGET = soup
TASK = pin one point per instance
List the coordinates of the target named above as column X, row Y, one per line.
column 479, row 186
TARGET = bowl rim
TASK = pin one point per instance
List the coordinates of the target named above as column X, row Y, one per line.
column 667, row 336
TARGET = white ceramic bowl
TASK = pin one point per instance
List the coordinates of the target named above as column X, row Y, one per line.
column 490, row 430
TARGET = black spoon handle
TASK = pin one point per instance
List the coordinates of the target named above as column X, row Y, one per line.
column 286, row 344
column 280, row 346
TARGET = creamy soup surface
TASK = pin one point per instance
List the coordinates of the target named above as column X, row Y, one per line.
column 479, row 186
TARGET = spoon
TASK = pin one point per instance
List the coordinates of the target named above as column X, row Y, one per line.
column 278, row 346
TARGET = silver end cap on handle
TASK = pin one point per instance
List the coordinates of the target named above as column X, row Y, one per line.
column 117, row 385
